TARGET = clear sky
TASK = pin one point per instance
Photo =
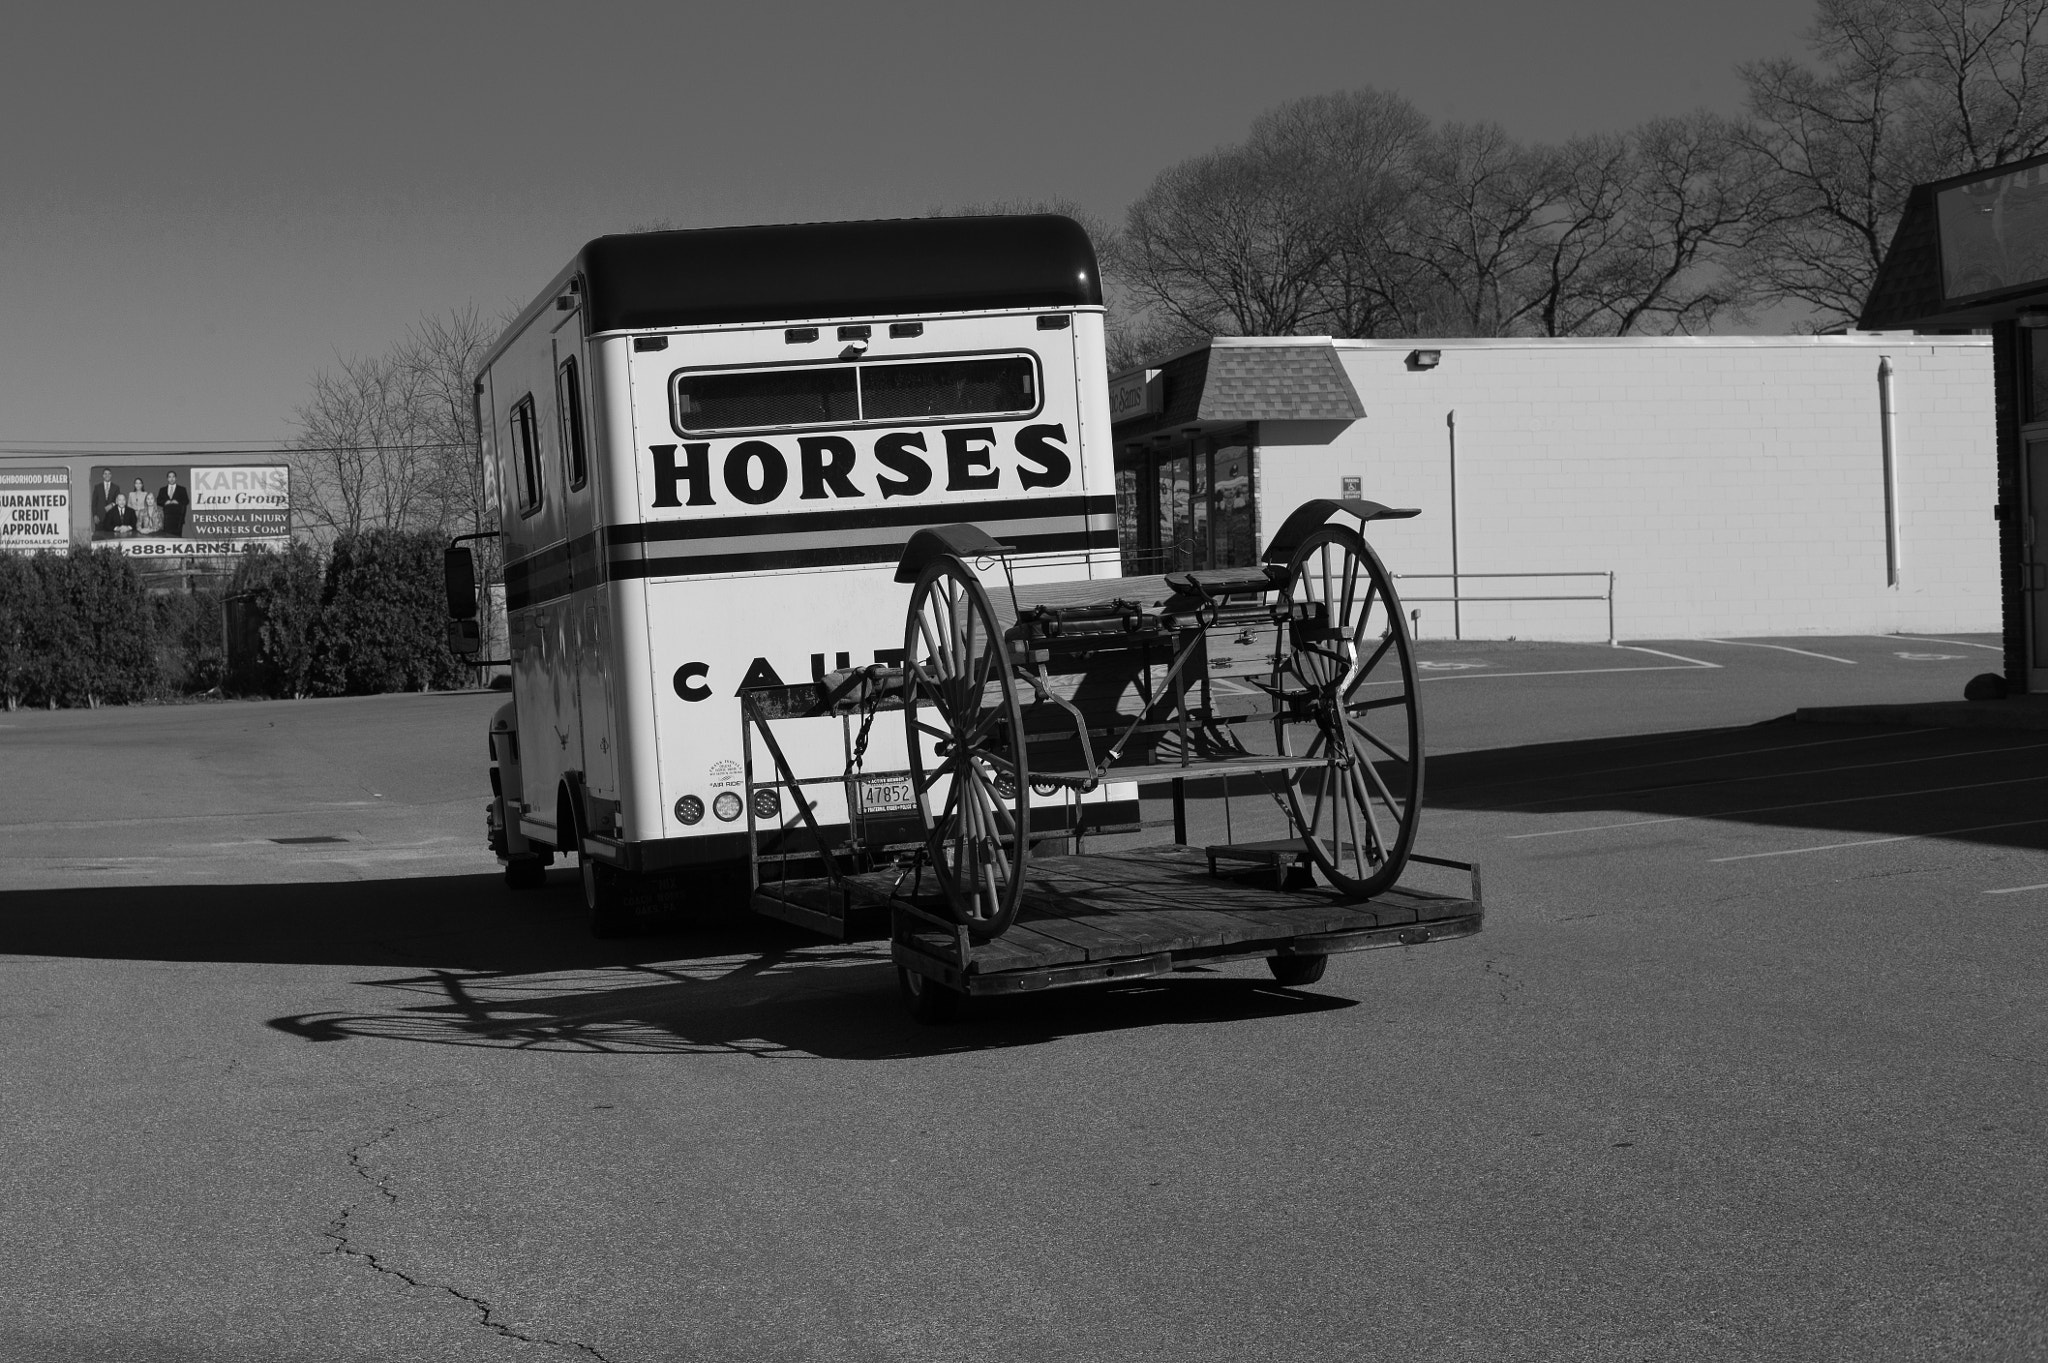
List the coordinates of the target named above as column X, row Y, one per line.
column 202, row 205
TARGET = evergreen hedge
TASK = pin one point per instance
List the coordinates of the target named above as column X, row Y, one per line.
column 81, row 629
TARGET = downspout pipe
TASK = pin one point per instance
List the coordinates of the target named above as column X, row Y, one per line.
column 1457, row 615
column 1889, row 436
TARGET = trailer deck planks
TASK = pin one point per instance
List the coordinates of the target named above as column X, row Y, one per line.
column 1127, row 914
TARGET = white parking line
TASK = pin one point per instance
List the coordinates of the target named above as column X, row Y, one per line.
column 1599, row 827
column 1690, row 665
column 1638, row 648
column 1959, row 643
column 1773, row 809
column 1873, row 842
column 1782, row 648
column 2019, row 889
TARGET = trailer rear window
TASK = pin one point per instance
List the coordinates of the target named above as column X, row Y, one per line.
column 849, row 394
column 768, row 397
column 903, row 392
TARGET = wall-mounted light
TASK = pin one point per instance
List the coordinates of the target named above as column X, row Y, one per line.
column 2033, row 318
column 1424, row 359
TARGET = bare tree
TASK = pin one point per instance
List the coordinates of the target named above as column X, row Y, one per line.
column 353, row 463
column 441, row 357
column 1912, row 90
column 1231, row 241
column 391, row 440
column 1478, row 214
column 1642, row 229
column 1360, row 149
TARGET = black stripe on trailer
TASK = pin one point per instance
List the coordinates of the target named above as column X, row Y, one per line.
column 835, row 556
column 798, row 539
column 861, row 518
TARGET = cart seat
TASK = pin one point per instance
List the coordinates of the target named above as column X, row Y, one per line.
column 1215, row 582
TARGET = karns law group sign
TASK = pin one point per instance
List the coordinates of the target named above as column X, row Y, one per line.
column 190, row 511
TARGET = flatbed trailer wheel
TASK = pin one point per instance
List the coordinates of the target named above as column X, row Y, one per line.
column 966, row 732
column 1346, row 676
column 927, row 999
column 1295, row 971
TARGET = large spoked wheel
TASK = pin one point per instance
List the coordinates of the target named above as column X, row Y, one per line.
column 966, row 748
column 1346, row 673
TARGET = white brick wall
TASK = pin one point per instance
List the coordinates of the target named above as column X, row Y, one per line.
column 1734, row 485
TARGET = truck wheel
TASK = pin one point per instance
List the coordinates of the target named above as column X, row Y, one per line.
column 604, row 899
column 1295, row 971
column 929, row 1001
column 526, row 873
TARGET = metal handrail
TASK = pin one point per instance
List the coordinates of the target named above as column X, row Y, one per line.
column 1457, row 597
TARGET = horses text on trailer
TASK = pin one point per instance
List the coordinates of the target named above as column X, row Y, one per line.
column 707, row 450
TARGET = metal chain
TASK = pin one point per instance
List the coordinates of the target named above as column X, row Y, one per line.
column 869, row 705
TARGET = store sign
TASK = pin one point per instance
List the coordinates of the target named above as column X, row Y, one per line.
column 189, row 511
column 1141, row 392
column 35, row 509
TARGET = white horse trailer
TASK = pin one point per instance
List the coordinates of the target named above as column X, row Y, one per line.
column 707, row 450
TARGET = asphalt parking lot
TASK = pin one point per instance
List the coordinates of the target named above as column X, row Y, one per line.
column 1748, row 1063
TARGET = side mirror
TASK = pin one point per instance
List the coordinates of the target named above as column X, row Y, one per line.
column 459, row 568
column 464, row 638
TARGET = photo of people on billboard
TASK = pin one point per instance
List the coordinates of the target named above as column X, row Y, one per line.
column 191, row 510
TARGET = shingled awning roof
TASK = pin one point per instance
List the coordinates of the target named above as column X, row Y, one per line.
column 1908, row 286
column 1277, row 383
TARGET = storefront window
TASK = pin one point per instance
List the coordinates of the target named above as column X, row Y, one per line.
column 1130, row 537
column 1186, row 504
column 1233, row 544
column 1176, row 521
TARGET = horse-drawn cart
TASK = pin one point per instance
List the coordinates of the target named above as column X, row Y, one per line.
column 1017, row 700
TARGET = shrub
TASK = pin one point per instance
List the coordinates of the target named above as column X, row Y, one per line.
column 24, row 629
column 284, row 591
column 383, row 618
column 98, row 634
column 189, row 648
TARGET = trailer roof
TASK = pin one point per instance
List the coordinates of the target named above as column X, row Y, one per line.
column 835, row 269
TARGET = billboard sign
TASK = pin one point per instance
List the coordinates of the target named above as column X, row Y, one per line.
column 35, row 509
column 189, row 510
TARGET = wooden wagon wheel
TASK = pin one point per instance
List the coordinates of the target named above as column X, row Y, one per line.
column 1347, row 680
column 966, row 731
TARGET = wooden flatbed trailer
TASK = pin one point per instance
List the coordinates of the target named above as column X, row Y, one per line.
column 1084, row 683
column 1125, row 915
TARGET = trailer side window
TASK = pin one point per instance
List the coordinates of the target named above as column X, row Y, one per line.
column 526, row 453
column 569, row 405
